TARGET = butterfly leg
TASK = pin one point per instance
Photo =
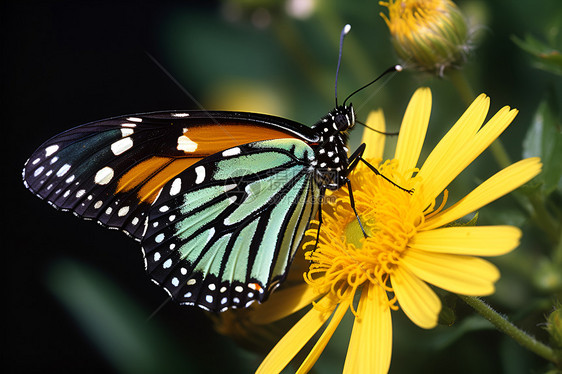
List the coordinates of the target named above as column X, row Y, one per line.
column 320, row 201
column 353, row 160
column 358, row 156
column 352, row 203
column 374, row 169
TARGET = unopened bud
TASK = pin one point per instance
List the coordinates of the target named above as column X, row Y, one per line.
column 429, row 35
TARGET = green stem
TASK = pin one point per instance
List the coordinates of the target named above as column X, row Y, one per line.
column 502, row 324
column 541, row 217
column 461, row 83
column 557, row 254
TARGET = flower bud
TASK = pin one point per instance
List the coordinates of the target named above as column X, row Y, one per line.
column 429, row 35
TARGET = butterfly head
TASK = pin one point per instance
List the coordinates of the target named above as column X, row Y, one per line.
column 344, row 117
column 339, row 121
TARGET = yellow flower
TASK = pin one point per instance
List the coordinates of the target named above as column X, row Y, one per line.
column 430, row 35
column 410, row 241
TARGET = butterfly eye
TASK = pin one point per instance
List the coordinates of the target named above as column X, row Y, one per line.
column 344, row 120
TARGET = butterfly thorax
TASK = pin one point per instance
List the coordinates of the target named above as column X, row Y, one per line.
column 331, row 163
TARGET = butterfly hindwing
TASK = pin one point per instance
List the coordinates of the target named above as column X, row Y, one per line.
column 222, row 233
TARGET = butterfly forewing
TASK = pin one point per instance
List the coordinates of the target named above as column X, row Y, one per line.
column 223, row 233
column 111, row 171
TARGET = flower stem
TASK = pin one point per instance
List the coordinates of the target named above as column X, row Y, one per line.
column 460, row 82
column 502, row 324
column 542, row 217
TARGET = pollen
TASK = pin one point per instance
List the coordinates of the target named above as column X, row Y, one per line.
column 344, row 259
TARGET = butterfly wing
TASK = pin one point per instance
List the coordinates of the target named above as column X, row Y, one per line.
column 111, row 171
column 222, row 233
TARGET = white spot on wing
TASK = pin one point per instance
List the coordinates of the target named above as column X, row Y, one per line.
column 127, row 131
column 159, row 238
column 180, row 114
column 63, row 170
column 176, row 187
column 134, row 119
column 122, row 145
column 185, row 144
column 123, row 211
column 51, row 149
column 200, row 171
column 231, row 152
column 104, row 175
column 38, row 171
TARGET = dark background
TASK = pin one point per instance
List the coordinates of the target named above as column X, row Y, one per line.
column 65, row 63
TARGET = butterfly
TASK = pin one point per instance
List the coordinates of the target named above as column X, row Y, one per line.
column 219, row 201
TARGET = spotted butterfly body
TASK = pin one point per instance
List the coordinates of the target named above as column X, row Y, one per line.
column 220, row 201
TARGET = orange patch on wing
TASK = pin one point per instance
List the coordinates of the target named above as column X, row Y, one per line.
column 255, row 287
column 149, row 176
column 230, row 135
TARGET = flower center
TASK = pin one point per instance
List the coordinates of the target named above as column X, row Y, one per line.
column 344, row 259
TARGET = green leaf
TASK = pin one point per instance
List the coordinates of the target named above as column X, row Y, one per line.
column 546, row 58
column 113, row 322
column 544, row 140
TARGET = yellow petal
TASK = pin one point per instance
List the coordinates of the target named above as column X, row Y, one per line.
column 496, row 186
column 370, row 347
column 374, row 140
column 465, row 128
column 413, row 129
column 464, row 275
column 464, row 151
column 468, row 240
column 296, row 338
column 314, row 354
column 416, row 298
column 283, row 303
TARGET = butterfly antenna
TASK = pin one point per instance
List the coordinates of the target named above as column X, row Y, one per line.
column 344, row 32
column 389, row 70
column 375, row 130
